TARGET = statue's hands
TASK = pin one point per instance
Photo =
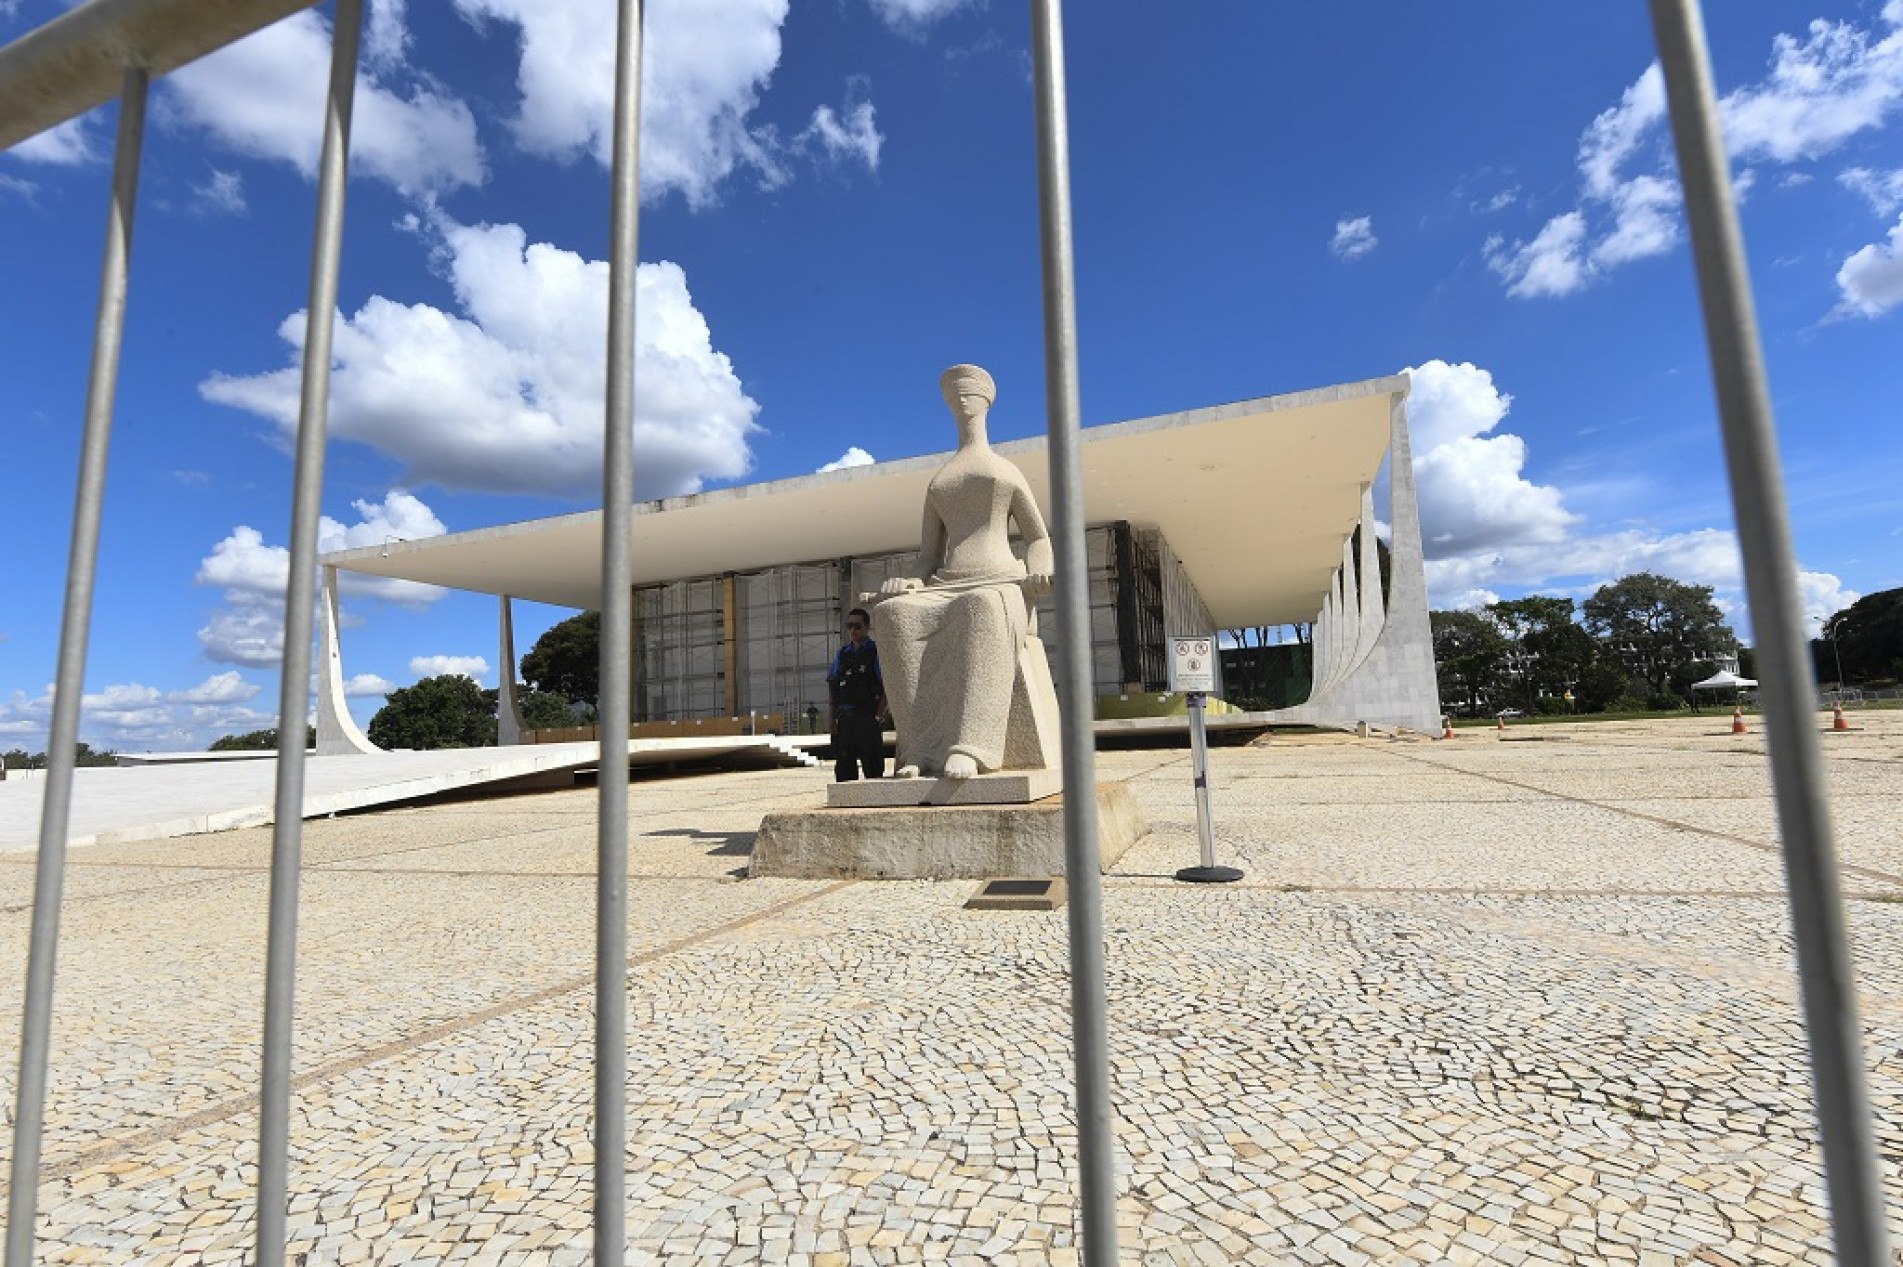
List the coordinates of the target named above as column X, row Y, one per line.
column 1037, row 584
column 900, row 585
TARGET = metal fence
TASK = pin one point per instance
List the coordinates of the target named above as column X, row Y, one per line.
column 81, row 59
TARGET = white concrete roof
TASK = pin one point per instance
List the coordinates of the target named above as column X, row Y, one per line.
column 1255, row 497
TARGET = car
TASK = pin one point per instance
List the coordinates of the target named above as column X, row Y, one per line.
column 1511, row 712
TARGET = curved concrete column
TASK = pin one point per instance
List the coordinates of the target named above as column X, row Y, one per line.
column 509, row 725
column 337, row 730
column 1394, row 683
column 1373, row 609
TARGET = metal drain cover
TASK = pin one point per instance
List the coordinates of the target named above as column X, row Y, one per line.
column 1019, row 893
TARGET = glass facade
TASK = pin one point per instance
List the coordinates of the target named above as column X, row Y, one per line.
column 786, row 622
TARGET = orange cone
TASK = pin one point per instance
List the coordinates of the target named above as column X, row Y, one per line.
column 1737, row 720
column 1446, row 728
column 1837, row 721
column 1503, row 721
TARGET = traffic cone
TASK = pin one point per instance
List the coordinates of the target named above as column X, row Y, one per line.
column 1737, row 720
column 1837, row 721
column 1502, row 719
column 1446, row 728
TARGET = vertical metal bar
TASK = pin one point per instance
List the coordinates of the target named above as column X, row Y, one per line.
column 1199, row 759
column 49, row 875
column 1810, row 865
column 274, row 1110
column 617, row 676
column 1082, row 868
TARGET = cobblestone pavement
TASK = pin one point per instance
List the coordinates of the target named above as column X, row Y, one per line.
column 1520, row 998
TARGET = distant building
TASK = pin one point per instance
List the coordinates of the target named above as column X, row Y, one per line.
column 1235, row 515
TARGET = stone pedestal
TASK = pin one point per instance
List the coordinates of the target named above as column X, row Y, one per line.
column 938, row 842
column 1008, row 787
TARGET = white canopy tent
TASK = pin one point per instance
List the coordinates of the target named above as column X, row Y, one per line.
column 1723, row 680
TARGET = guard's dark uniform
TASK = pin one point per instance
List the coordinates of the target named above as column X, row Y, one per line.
column 857, row 690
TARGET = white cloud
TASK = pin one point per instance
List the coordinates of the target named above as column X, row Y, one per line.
column 249, row 629
column 1819, row 91
column 368, row 684
column 1871, row 280
column 222, row 688
column 911, row 17
column 264, row 96
column 131, row 715
column 224, row 192
column 855, row 135
column 705, row 64
column 68, row 144
column 1487, row 529
column 1353, row 238
column 1473, row 493
column 854, row 456
column 469, row 666
column 509, row 397
column 14, row 185
column 1882, row 190
column 249, row 632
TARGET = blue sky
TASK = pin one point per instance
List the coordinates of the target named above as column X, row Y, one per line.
column 840, row 200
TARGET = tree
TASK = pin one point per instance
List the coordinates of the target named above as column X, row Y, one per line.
column 1869, row 637
column 542, row 710
column 1471, row 653
column 566, row 661
column 1655, row 626
column 1551, row 651
column 449, row 711
column 258, row 741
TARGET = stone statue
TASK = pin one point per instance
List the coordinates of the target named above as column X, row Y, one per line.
column 965, row 674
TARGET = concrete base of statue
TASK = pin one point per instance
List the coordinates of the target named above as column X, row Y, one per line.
column 1007, row 787
column 938, row 842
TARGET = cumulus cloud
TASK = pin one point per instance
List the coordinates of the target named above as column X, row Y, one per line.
column 913, row 17
column 1820, row 90
column 469, row 666
column 362, row 685
column 1353, row 238
column 705, row 64
column 1472, row 488
column 1486, row 528
column 1871, row 280
column 508, row 396
column 264, row 97
column 249, row 629
column 854, row 456
column 130, row 715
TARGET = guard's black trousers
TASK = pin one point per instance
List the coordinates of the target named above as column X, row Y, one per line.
column 858, row 744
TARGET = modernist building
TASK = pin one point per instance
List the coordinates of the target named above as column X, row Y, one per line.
column 1236, row 515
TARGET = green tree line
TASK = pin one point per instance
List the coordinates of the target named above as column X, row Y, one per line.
column 1636, row 644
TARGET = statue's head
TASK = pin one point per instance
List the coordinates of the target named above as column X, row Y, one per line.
column 968, row 390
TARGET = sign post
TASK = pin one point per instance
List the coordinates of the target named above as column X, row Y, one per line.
column 1193, row 671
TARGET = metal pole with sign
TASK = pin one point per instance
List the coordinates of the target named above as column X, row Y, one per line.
column 1193, row 671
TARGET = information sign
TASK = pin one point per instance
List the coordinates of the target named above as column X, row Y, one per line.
column 1193, row 664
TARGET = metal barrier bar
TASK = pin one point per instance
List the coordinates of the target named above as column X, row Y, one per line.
column 1095, row 1177
column 617, row 650
column 1757, row 493
column 49, row 873
column 307, row 488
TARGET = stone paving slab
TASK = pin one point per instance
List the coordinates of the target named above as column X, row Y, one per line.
column 1514, row 1023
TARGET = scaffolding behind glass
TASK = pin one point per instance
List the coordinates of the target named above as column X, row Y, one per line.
column 680, row 651
column 788, row 625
